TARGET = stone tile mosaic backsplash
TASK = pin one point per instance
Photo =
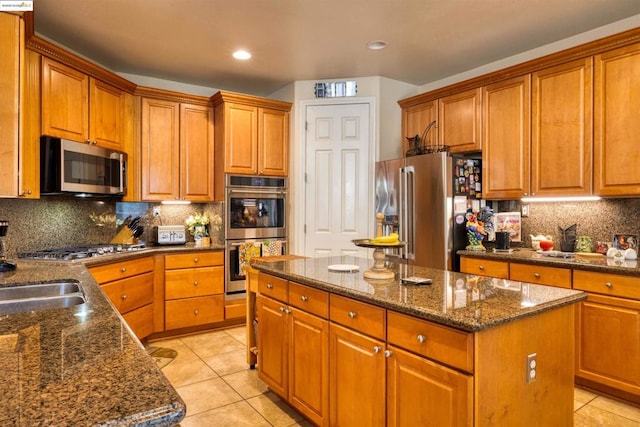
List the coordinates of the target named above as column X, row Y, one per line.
column 56, row 222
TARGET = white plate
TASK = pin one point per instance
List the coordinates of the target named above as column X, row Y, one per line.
column 351, row 268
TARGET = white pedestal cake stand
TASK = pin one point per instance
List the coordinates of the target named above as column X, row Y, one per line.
column 379, row 271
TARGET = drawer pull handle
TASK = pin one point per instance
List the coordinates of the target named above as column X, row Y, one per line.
column 377, row 349
column 195, row 312
column 196, row 260
column 352, row 314
column 124, row 297
column 421, row 338
column 609, row 285
column 269, row 286
column 195, row 283
column 304, row 298
column 536, row 275
column 388, row 353
column 481, row 267
column 123, row 269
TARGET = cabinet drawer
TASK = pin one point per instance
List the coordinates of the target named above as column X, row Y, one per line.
column 182, row 313
column 359, row 316
column 607, row 284
column 140, row 321
column 194, row 259
column 272, row 286
column 131, row 293
column 311, row 300
column 540, row 275
column 484, row 267
column 193, row 282
column 439, row 343
column 110, row 272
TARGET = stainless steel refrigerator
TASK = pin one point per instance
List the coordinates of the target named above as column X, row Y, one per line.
column 416, row 196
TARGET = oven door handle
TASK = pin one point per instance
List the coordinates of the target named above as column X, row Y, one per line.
column 256, row 192
column 257, row 240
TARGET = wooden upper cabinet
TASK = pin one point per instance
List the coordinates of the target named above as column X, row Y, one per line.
column 240, row 140
column 160, row 150
column 460, row 120
column 81, row 108
column 196, row 152
column 415, row 120
column 561, row 142
column 616, row 128
column 506, row 129
column 273, row 142
column 177, row 151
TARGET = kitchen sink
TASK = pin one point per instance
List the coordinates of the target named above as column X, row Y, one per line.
column 41, row 296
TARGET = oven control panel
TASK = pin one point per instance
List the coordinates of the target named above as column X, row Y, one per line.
column 170, row 234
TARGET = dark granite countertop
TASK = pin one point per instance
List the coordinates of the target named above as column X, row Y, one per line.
column 590, row 262
column 81, row 365
column 467, row 302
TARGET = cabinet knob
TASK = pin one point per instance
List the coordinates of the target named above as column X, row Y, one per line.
column 481, row 267
column 196, row 260
column 88, row 141
column 377, row 349
column 123, row 269
column 352, row 314
column 27, row 193
column 421, row 338
column 195, row 312
column 304, row 298
column 123, row 297
column 269, row 286
column 536, row 275
column 195, row 283
column 609, row 285
column 388, row 353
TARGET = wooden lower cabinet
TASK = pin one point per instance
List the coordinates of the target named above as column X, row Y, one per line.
column 484, row 267
column 421, row 392
column 273, row 344
column 357, row 379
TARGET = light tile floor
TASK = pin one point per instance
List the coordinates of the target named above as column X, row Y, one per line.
column 212, row 376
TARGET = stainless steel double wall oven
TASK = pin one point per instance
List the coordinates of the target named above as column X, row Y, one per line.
column 255, row 209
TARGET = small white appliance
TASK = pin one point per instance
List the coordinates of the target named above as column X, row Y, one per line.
column 170, row 234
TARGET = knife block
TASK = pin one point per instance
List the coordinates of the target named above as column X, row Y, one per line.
column 124, row 236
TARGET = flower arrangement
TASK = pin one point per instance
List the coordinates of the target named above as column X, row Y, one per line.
column 198, row 224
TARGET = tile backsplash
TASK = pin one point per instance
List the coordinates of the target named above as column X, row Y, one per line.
column 56, row 222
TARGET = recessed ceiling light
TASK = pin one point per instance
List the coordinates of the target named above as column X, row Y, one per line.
column 377, row 45
column 241, row 54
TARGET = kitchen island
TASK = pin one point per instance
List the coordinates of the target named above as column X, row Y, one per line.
column 80, row 365
column 463, row 350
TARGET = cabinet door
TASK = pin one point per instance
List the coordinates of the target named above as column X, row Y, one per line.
column 357, row 394
column 240, row 140
column 106, row 112
column 309, row 366
column 423, row 393
column 10, row 76
column 273, row 345
column 616, row 128
column 506, row 129
column 196, row 148
column 273, row 142
column 65, row 101
column 415, row 120
column 160, row 150
column 608, row 342
column 459, row 118
column 561, row 142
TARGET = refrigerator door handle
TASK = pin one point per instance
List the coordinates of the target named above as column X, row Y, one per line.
column 409, row 211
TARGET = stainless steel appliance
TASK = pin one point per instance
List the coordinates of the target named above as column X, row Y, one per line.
column 79, row 252
column 71, row 168
column 255, row 214
column 416, row 195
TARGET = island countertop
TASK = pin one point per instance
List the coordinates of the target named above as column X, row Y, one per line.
column 462, row 301
column 78, row 366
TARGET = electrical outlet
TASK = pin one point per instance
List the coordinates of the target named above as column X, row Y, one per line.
column 532, row 367
column 525, row 211
column 156, row 211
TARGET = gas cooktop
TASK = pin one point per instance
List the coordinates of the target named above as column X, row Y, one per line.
column 79, row 252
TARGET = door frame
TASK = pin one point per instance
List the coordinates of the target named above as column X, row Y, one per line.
column 298, row 169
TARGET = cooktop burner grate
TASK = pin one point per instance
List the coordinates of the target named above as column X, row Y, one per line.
column 79, row 252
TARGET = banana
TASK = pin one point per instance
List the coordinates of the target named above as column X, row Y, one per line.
column 390, row 239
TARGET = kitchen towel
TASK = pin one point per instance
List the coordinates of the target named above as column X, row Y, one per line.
column 272, row 247
column 246, row 251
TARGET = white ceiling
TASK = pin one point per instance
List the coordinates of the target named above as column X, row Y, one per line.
column 191, row 41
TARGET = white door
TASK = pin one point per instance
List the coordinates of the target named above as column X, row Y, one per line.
column 337, row 171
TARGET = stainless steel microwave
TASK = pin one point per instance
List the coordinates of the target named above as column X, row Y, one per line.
column 73, row 168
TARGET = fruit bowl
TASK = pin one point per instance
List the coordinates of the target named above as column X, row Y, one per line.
column 379, row 271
